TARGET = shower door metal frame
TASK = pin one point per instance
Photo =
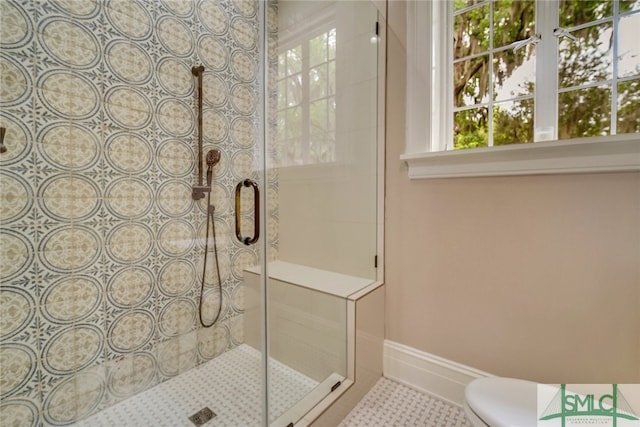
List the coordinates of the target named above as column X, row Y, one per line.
column 261, row 210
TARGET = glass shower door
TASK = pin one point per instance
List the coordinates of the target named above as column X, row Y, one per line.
column 121, row 292
column 321, row 192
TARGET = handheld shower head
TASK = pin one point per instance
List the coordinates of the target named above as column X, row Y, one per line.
column 213, row 157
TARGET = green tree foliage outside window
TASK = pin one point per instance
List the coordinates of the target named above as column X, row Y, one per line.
column 494, row 93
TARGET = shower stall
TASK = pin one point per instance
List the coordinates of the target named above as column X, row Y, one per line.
column 189, row 200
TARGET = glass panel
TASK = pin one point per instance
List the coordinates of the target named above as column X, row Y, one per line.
column 282, row 94
column 514, row 73
column 471, row 81
column 512, row 21
column 299, row 147
column 576, row 12
column 471, row 128
column 318, row 50
column 629, row 107
column 294, row 90
column 282, row 65
column 281, row 126
column 331, row 115
column 318, row 116
column 471, row 32
column 584, row 112
column 627, row 5
column 318, row 80
column 513, row 122
column 293, row 150
column 628, row 47
column 309, row 239
column 588, row 59
column 294, row 122
column 294, row 60
column 461, row 4
column 322, row 147
column 331, row 44
column 331, row 77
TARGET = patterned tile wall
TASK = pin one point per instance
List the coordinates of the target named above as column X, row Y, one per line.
column 100, row 242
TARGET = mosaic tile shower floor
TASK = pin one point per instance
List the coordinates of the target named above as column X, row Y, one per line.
column 390, row 403
column 387, row 404
column 234, row 396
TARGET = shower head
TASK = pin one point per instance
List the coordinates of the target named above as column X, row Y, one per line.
column 213, row 157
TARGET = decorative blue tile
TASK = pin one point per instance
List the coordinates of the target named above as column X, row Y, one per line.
column 18, row 25
column 18, row 139
column 73, row 398
column 70, row 42
column 78, row 10
column 102, row 240
column 26, row 410
column 19, row 368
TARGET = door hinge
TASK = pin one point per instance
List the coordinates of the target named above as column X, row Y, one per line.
column 335, row 386
column 377, row 28
column 375, row 261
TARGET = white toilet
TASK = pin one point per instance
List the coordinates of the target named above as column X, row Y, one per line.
column 501, row 402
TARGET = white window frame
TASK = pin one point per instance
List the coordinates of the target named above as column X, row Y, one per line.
column 429, row 118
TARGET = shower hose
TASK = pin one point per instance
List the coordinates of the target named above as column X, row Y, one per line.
column 210, row 210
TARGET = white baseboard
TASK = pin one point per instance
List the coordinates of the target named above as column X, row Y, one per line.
column 428, row 373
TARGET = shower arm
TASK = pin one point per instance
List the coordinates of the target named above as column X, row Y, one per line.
column 199, row 189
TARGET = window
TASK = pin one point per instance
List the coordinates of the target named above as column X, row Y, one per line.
column 592, row 51
column 493, row 73
column 520, row 72
column 306, row 111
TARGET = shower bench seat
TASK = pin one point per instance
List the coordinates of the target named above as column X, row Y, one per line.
column 313, row 327
column 328, row 282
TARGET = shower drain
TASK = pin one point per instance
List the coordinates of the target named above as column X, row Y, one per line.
column 202, row 416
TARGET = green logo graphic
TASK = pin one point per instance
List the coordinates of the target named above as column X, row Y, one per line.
column 566, row 405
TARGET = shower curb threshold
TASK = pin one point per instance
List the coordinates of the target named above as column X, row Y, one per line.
column 298, row 413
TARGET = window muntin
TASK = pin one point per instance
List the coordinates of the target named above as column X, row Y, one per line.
column 306, row 101
column 494, row 69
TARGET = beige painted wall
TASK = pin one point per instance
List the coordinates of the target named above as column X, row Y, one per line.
column 536, row 277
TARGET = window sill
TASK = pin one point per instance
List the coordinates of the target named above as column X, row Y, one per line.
column 600, row 154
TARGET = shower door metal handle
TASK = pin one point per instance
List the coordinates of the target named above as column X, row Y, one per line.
column 256, row 207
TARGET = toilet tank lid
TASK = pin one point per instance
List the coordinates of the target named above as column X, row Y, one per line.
column 504, row 402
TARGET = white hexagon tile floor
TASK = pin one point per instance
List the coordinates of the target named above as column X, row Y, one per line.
column 235, row 399
column 390, row 403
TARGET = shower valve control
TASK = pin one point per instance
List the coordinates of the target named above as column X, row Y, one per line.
column 199, row 190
